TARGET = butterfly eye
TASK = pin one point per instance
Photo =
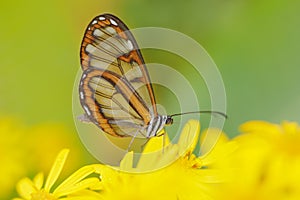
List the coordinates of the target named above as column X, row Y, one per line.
column 169, row 120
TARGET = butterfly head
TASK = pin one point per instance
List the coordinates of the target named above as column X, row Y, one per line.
column 169, row 121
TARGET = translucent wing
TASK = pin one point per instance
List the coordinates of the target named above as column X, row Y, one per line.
column 115, row 89
column 112, row 103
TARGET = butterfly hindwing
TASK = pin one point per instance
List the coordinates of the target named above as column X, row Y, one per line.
column 111, row 103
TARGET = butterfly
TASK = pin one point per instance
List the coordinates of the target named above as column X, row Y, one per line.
column 115, row 90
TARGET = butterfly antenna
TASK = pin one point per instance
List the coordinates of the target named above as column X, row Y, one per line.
column 200, row 112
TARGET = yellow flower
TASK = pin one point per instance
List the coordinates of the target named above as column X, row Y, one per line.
column 78, row 186
column 266, row 164
column 185, row 179
column 22, row 149
column 12, row 159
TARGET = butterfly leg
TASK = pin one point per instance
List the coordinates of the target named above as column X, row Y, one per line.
column 164, row 142
column 163, row 134
column 143, row 146
column 131, row 141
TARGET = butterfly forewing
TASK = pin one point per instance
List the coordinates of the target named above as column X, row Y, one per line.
column 109, row 45
column 115, row 89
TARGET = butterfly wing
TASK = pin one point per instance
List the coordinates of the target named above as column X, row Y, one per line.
column 115, row 89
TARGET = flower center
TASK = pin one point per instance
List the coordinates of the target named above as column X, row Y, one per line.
column 42, row 195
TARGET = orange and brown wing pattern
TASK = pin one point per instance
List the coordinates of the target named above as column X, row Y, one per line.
column 112, row 103
column 115, row 89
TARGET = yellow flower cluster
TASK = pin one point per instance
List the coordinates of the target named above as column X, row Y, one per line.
column 77, row 186
column 183, row 179
column 262, row 163
column 25, row 149
column 266, row 164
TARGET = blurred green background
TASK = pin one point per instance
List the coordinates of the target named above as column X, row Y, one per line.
column 255, row 45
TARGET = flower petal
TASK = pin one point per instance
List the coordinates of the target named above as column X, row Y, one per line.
column 82, row 185
column 127, row 162
column 218, row 153
column 211, row 139
column 85, row 195
column 75, row 178
column 189, row 137
column 171, row 152
column 291, row 128
column 259, row 126
column 56, row 169
column 157, row 143
column 25, row 188
column 105, row 172
column 82, row 197
column 39, row 180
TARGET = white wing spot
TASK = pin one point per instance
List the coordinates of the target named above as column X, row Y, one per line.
column 101, row 18
column 113, row 22
column 130, row 45
column 81, row 95
column 94, row 22
column 81, row 83
column 97, row 32
column 87, row 110
column 110, row 30
column 89, row 28
column 83, row 76
column 90, row 48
